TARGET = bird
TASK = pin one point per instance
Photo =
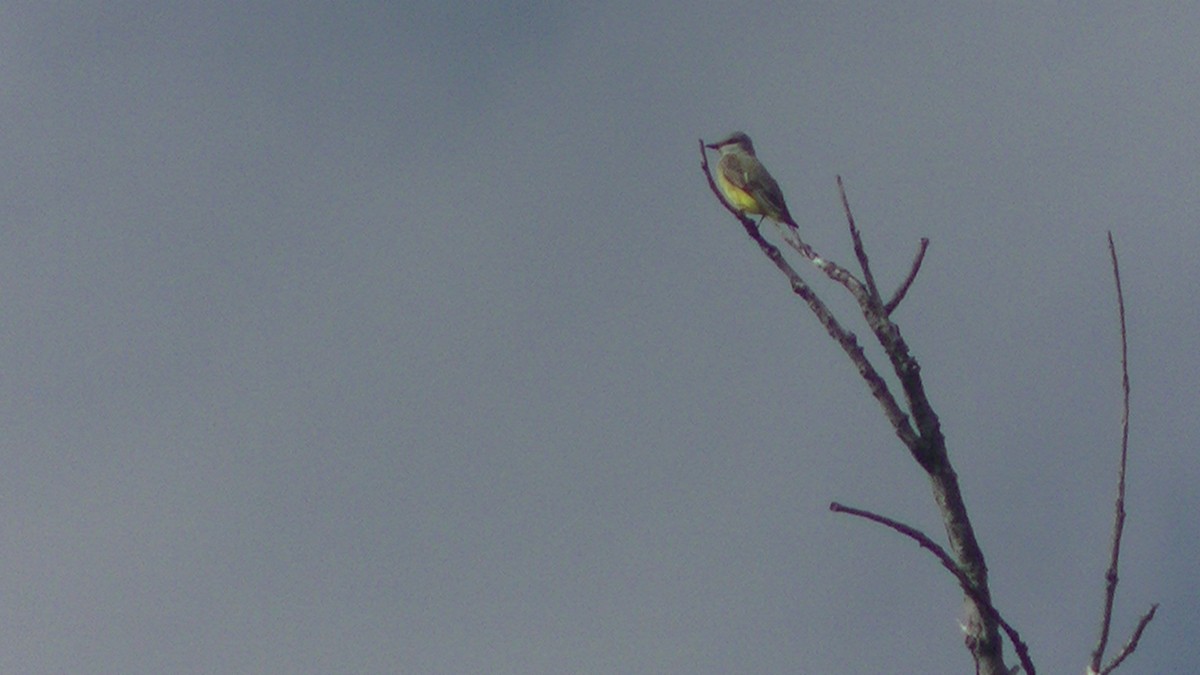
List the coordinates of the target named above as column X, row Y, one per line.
column 746, row 183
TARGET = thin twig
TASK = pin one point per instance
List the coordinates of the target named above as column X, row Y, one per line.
column 898, row 296
column 1133, row 640
column 910, row 532
column 859, row 251
column 1110, row 577
column 947, row 561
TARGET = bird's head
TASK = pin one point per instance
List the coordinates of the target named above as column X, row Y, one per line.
column 737, row 139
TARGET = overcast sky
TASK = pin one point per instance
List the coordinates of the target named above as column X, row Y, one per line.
column 407, row 337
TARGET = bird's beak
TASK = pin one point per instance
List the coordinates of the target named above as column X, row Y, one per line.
column 713, row 146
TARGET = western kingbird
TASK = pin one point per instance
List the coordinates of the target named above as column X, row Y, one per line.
column 746, row 183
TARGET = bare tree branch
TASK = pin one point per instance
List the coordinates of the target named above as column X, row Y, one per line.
column 947, row 561
column 1110, row 577
column 930, row 452
column 847, row 340
column 898, row 296
column 926, row 443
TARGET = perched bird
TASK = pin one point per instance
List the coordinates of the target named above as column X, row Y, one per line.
column 746, row 183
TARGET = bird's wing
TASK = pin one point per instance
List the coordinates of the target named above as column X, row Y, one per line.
column 732, row 169
column 769, row 193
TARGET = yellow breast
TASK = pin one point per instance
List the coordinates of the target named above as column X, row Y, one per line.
column 741, row 200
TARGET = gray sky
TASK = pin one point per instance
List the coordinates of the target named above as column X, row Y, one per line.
column 408, row 338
